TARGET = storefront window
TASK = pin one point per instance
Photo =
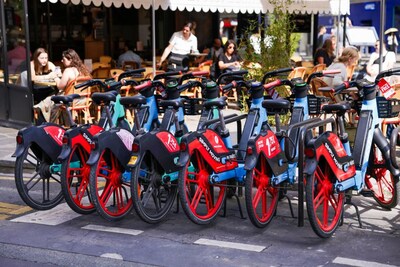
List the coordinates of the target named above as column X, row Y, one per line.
column 16, row 40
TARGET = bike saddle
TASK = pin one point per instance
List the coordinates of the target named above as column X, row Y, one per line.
column 340, row 108
column 172, row 103
column 103, row 98
column 279, row 106
column 64, row 99
column 133, row 101
column 219, row 103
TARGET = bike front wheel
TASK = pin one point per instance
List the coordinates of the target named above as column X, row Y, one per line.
column 109, row 190
column 200, row 199
column 75, row 181
column 37, row 178
column 261, row 196
column 324, row 205
column 152, row 195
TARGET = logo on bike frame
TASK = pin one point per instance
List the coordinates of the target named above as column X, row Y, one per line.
column 169, row 141
column 56, row 133
column 126, row 138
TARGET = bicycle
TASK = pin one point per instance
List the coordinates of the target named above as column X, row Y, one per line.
column 153, row 162
column 77, row 142
column 112, row 153
column 266, row 180
column 371, row 158
column 212, row 158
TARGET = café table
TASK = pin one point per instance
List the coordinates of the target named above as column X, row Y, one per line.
column 43, row 88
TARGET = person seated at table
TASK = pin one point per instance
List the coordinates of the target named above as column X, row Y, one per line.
column 74, row 70
column 229, row 60
column 41, row 67
column 181, row 44
column 129, row 55
column 349, row 57
column 325, row 54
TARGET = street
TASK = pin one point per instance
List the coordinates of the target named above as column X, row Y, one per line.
column 61, row 237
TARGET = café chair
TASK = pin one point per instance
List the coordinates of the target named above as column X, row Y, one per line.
column 105, row 60
column 298, row 72
column 101, row 73
column 318, row 67
column 80, row 108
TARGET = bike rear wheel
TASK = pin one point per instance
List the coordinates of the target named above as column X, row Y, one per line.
column 261, row 196
column 324, row 204
column 200, row 199
column 109, row 192
column 75, row 181
column 37, row 179
column 152, row 197
column 384, row 186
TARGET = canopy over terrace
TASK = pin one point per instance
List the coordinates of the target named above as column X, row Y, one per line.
column 334, row 7
column 234, row 6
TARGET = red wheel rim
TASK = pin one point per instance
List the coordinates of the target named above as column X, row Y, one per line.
column 327, row 204
column 265, row 197
column 81, row 175
column 201, row 200
column 113, row 198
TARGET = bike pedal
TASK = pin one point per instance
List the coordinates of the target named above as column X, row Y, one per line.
column 366, row 193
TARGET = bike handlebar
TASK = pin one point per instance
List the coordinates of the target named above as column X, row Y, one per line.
column 189, row 84
column 148, row 84
column 166, row 74
column 275, row 73
column 278, row 82
column 232, row 73
column 387, row 73
column 235, row 84
column 321, row 73
column 129, row 73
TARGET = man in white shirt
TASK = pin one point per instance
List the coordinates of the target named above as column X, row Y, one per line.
column 180, row 45
column 388, row 61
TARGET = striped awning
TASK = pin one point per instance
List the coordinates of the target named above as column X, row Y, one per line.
column 231, row 6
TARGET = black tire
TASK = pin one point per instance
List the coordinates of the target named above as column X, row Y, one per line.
column 152, row 197
column 37, row 179
column 261, row 196
column 75, row 181
column 384, row 186
column 201, row 200
column 320, row 195
column 109, row 192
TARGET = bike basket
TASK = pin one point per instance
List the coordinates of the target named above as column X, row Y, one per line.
column 192, row 106
column 314, row 103
column 387, row 108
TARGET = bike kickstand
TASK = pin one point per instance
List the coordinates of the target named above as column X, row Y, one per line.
column 290, row 206
column 239, row 205
column 349, row 202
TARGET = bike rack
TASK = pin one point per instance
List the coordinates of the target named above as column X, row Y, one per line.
column 301, row 144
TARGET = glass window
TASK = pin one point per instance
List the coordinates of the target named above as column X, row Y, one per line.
column 16, row 41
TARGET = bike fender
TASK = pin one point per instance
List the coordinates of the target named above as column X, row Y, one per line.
column 267, row 144
column 118, row 141
column 48, row 137
column 210, row 145
column 163, row 146
column 329, row 147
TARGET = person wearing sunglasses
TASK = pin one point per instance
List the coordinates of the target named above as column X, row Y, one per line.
column 229, row 60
